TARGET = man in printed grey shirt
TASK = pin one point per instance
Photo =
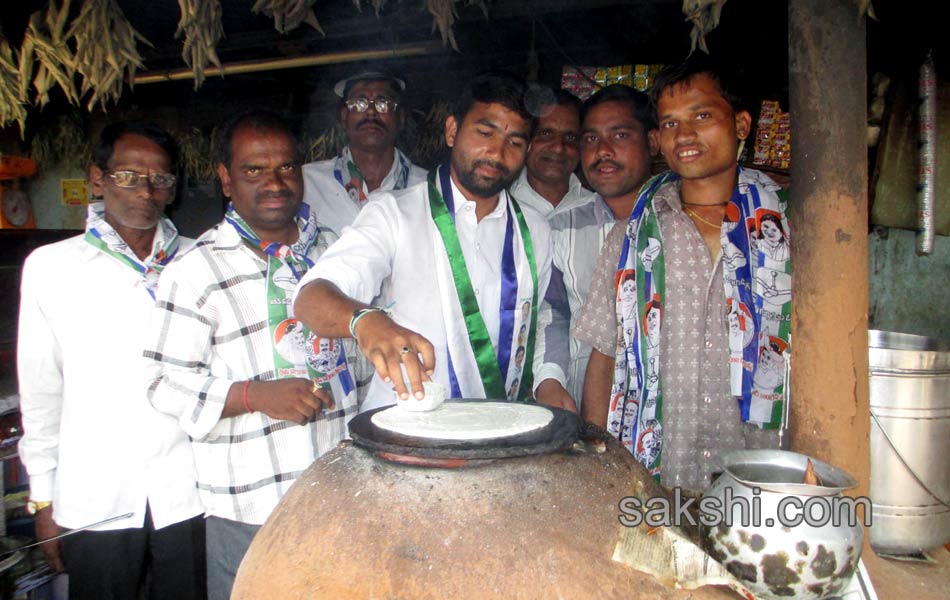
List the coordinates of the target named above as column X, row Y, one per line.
column 615, row 152
column 668, row 377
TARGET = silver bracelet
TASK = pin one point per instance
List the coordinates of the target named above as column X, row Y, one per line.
column 358, row 314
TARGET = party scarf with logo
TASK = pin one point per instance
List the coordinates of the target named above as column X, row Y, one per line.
column 102, row 236
column 475, row 369
column 298, row 352
column 353, row 181
column 755, row 282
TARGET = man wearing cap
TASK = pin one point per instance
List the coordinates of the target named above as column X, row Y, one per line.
column 372, row 117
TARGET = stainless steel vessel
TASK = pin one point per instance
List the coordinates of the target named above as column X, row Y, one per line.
column 910, row 442
column 804, row 541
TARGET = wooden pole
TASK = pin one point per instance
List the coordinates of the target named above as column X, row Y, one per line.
column 330, row 58
column 830, row 414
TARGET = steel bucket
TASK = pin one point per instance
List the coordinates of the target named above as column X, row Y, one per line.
column 910, row 442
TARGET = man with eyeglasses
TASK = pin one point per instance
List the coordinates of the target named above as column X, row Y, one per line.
column 260, row 395
column 93, row 446
column 372, row 116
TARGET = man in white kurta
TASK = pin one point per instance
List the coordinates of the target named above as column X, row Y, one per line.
column 95, row 450
column 396, row 250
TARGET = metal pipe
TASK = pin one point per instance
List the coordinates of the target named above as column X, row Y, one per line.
column 274, row 64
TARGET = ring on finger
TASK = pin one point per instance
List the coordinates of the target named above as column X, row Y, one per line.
column 405, row 350
column 314, row 388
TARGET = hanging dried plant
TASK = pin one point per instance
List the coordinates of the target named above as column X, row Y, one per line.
column 12, row 108
column 62, row 141
column 45, row 43
column 104, row 61
column 326, row 145
column 376, row 4
column 704, row 15
column 195, row 156
column 444, row 15
column 200, row 24
column 289, row 14
column 428, row 144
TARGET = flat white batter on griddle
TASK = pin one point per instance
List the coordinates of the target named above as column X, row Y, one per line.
column 465, row 420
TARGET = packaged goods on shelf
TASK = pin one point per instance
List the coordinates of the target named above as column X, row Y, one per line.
column 773, row 146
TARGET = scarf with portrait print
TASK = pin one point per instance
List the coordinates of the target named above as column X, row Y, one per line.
column 757, row 285
column 349, row 176
column 107, row 240
column 298, row 352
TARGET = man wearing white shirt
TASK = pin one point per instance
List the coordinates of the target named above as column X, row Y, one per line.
column 372, row 115
column 616, row 151
column 547, row 182
column 458, row 244
column 92, row 444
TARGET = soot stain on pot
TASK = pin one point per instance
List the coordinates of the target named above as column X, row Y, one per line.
column 824, row 564
column 777, row 575
column 743, row 571
column 847, row 570
column 802, row 548
column 757, row 543
column 716, row 553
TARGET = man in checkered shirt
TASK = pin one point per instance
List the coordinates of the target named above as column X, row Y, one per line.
column 244, row 378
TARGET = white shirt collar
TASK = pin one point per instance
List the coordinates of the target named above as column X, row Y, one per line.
column 461, row 202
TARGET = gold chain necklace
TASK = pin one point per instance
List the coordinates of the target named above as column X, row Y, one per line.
column 693, row 214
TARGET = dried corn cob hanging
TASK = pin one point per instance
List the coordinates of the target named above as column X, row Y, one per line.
column 104, row 61
column 46, row 45
column 289, row 14
column 11, row 105
column 200, row 24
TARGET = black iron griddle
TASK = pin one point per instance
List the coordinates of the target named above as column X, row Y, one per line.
column 559, row 434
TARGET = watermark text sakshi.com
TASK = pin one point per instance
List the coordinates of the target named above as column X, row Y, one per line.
column 711, row 511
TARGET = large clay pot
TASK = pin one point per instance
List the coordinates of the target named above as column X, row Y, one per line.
column 546, row 526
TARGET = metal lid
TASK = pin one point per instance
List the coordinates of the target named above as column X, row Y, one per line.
column 783, row 471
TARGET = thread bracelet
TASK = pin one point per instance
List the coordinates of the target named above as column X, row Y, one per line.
column 247, row 406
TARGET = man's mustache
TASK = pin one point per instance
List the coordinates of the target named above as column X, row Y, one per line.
column 490, row 163
column 607, row 162
column 372, row 121
column 280, row 194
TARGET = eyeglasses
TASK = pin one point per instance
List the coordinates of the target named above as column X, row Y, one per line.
column 130, row 179
column 361, row 105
